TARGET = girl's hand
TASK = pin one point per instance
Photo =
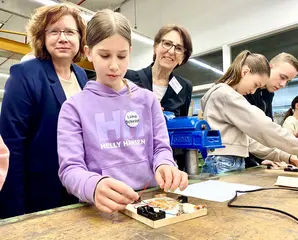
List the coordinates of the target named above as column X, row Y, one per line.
column 112, row 195
column 170, row 178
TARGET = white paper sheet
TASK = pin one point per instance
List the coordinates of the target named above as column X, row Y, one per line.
column 287, row 181
column 214, row 190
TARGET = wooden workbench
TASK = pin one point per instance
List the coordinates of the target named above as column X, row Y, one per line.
column 85, row 222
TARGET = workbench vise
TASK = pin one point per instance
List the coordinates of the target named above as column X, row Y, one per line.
column 193, row 135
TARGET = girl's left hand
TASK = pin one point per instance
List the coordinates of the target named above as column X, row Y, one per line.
column 170, row 178
column 294, row 160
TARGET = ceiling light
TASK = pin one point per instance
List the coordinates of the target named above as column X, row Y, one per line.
column 87, row 17
column 204, row 65
column 46, row 2
column 4, row 75
column 142, row 38
column 135, row 35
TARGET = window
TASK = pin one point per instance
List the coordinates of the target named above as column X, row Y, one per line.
column 197, row 103
column 199, row 75
column 270, row 46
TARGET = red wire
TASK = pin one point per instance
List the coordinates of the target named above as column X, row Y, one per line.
column 146, row 185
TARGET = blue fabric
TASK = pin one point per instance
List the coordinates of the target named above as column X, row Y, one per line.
column 222, row 164
column 28, row 125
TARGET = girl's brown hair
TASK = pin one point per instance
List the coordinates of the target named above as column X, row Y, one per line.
column 291, row 110
column 47, row 15
column 257, row 63
column 106, row 23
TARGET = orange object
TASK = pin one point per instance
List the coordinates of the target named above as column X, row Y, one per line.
column 161, row 195
column 200, row 206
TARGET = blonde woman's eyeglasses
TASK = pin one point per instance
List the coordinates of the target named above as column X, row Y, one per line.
column 57, row 32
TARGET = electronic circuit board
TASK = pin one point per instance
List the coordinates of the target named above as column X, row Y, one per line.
column 163, row 211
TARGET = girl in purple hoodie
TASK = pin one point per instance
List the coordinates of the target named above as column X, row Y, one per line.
column 112, row 137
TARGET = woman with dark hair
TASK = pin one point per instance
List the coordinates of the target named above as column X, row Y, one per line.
column 290, row 120
column 33, row 96
column 172, row 48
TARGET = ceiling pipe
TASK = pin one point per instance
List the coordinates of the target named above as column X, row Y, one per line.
column 80, row 2
column 14, row 13
column 6, row 59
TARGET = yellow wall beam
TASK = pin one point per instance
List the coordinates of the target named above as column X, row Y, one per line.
column 14, row 46
column 13, row 32
column 85, row 64
column 22, row 48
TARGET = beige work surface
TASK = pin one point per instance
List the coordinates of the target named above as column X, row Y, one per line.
column 221, row 222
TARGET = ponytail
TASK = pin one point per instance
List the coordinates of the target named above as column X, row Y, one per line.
column 126, row 84
column 257, row 64
column 233, row 75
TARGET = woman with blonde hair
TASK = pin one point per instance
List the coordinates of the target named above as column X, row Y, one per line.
column 244, row 128
column 32, row 100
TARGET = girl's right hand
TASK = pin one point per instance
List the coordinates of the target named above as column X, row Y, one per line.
column 112, row 195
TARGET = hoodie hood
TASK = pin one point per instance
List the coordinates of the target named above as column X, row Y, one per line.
column 105, row 91
column 207, row 95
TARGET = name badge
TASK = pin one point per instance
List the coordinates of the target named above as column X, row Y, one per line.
column 132, row 119
column 175, row 85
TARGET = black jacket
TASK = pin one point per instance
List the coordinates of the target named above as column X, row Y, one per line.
column 263, row 100
column 177, row 103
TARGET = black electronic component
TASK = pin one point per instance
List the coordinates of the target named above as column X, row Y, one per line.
column 148, row 212
column 269, row 166
column 182, row 199
column 291, row 168
column 137, row 201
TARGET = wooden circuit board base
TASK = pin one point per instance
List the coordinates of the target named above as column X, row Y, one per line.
column 172, row 215
column 281, row 172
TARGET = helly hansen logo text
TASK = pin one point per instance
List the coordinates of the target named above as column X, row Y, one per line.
column 114, row 131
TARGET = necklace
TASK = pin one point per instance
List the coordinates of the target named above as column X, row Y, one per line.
column 64, row 78
column 160, row 82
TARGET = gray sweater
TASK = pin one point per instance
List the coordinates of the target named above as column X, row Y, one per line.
column 245, row 128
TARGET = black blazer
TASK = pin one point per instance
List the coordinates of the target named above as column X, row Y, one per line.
column 28, row 124
column 177, row 103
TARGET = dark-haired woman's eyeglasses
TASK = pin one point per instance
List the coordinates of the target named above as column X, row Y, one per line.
column 167, row 44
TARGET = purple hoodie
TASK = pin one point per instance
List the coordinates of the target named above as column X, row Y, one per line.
column 95, row 141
